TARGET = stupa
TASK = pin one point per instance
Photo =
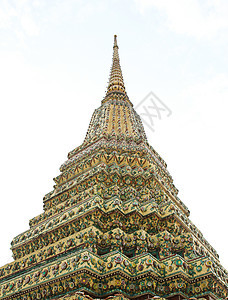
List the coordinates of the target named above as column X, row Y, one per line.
column 113, row 227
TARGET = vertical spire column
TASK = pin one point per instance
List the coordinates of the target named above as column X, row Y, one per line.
column 116, row 83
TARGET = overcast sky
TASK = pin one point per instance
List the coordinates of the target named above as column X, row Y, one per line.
column 55, row 58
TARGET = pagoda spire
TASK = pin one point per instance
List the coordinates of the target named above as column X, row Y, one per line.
column 116, row 83
column 113, row 228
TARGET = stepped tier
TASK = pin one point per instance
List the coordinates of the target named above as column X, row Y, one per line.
column 113, row 227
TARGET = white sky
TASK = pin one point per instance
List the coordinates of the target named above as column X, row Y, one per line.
column 55, row 58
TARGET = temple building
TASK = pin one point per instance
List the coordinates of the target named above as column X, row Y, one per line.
column 113, row 227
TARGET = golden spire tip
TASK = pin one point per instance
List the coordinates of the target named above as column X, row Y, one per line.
column 115, row 41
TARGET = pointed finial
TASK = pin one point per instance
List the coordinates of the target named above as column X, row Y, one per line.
column 115, row 41
column 116, row 83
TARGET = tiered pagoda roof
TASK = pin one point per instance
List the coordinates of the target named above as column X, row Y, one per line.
column 113, row 227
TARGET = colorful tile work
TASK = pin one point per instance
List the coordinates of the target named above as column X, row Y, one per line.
column 113, row 227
